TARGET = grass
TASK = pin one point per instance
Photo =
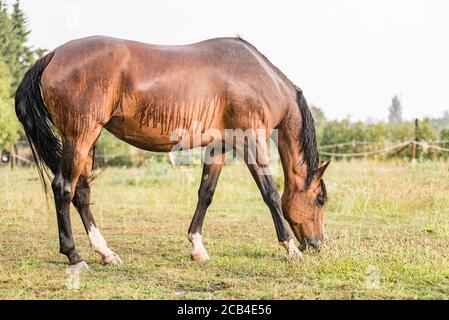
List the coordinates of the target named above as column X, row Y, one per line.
column 387, row 219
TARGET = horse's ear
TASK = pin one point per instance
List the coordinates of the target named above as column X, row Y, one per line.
column 320, row 171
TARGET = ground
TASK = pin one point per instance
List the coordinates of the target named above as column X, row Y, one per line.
column 387, row 226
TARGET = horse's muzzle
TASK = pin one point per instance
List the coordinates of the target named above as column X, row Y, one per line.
column 313, row 244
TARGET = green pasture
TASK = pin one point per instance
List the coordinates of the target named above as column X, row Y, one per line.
column 387, row 226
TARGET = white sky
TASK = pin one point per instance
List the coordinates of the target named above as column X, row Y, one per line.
column 349, row 57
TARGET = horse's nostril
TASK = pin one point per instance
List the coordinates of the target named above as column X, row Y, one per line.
column 302, row 247
column 315, row 244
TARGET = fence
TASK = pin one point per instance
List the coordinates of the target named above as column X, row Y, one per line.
column 330, row 151
column 385, row 148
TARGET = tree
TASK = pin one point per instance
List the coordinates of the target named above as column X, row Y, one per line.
column 25, row 56
column 16, row 56
column 439, row 124
column 318, row 115
column 7, row 40
column 14, row 50
column 444, row 137
column 320, row 120
column 8, row 122
column 395, row 111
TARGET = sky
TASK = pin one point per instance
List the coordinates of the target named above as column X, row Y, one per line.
column 350, row 57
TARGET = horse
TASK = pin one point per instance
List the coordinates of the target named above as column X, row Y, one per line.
column 143, row 93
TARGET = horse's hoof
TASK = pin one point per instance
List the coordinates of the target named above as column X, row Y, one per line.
column 294, row 255
column 79, row 266
column 113, row 259
column 199, row 256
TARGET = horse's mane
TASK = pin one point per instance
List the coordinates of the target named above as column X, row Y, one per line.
column 308, row 132
column 308, row 137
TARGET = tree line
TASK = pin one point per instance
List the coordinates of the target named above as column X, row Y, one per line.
column 16, row 56
column 396, row 130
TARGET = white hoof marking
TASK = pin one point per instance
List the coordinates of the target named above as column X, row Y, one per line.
column 198, row 252
column 293, row 253
column 113, row 259
column 99, row 245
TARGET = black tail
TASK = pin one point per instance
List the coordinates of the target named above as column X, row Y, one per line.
column 33, row 114
column 308, row 137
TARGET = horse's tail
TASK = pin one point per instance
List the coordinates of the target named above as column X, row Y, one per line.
column 36, row 120
column 308, row 136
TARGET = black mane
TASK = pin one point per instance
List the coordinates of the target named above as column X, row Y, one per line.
column 308, row 137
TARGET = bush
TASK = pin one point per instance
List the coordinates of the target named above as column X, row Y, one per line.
column 9, row 124
column 380, row 135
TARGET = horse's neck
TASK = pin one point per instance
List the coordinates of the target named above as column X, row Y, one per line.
column 295, row 169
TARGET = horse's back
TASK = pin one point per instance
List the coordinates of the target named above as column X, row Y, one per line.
column 227, row 72
column 151, row 90
column 233, row 61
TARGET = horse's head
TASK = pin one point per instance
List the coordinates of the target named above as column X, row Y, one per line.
column 304, row 210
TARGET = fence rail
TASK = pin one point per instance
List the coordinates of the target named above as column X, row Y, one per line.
column 387, row 149
column 396, row 147
column 366, row 153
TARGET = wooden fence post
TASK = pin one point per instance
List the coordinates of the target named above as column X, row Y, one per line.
column 413, row 152
column 416, row 139
column 12, row 157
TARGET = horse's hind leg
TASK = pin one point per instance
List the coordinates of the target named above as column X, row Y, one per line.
column 81, row 201
column 211, row 171
column 74, row 156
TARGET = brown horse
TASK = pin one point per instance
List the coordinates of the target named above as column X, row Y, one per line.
column 157, row 97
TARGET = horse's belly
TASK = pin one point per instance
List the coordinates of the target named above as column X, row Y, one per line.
column 145, row 138
column 165, row 131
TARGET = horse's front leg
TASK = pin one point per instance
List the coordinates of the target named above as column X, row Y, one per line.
column 213, row 163
column 258, row 163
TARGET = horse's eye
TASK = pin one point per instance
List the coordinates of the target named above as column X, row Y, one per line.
column 320, row 201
